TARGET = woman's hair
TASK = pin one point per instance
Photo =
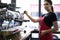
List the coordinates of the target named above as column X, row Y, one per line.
column 50, row 2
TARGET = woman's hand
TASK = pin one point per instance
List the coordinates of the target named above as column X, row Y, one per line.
column 43, row 32
column 33, row 20
column 25, row 12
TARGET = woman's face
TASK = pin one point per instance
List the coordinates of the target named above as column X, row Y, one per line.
column 47, row 6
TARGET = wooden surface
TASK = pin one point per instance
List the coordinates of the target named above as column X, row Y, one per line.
column 8, row 35
column 12, row 33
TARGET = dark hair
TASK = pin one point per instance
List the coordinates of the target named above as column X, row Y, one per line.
column 50, row 2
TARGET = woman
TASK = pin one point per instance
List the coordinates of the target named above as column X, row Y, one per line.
column 46, row 22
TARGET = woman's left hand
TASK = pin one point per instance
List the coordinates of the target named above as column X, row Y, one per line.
column 43, row 32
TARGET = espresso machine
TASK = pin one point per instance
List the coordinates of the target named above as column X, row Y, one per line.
column 9, row 20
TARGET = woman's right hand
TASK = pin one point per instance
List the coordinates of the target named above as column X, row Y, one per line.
column 25, row 12
column 33, row 20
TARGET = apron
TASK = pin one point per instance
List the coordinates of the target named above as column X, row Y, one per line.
column 43, row 26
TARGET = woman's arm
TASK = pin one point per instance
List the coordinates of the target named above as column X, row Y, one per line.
column 33, row 20
column 52, row 29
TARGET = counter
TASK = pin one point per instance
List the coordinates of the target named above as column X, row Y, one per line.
column 11, row 33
